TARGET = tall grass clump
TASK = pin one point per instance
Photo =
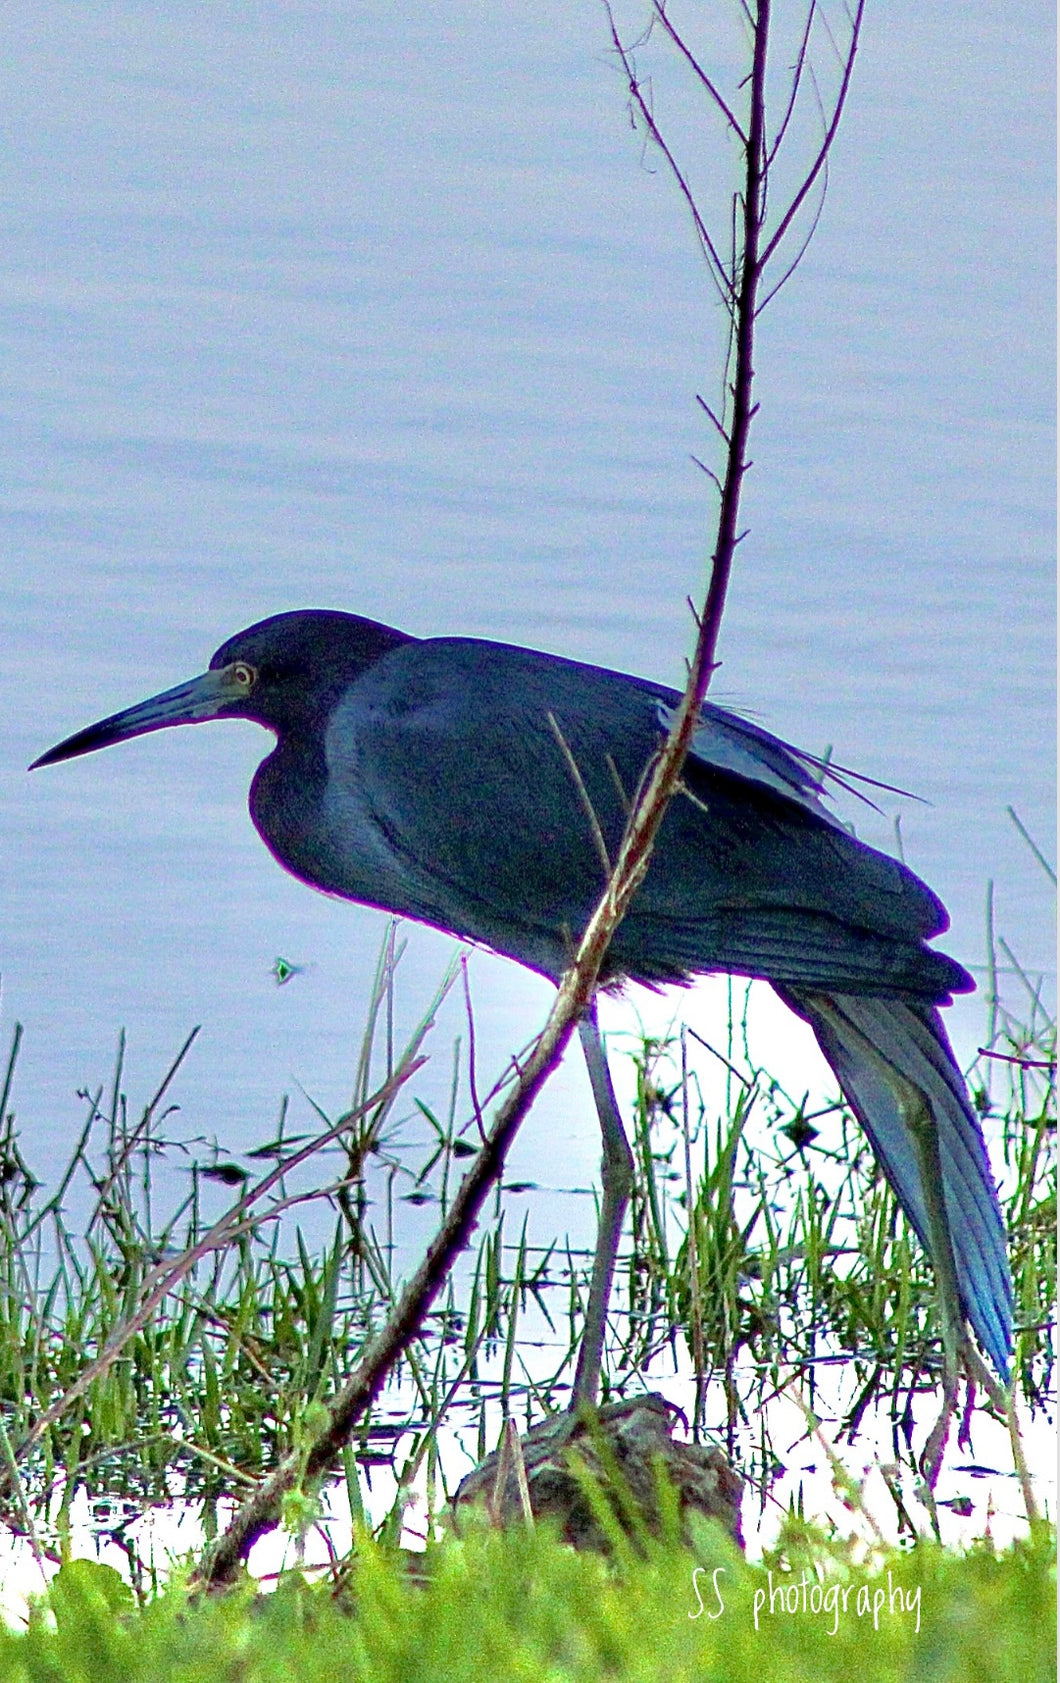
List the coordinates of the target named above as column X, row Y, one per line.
column 152, row 1356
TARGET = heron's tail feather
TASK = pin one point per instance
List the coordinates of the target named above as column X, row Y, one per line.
column 868, row 1043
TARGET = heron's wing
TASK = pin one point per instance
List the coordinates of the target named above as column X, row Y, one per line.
column 480, row 771
column 492, row 786
column 727, row 743
column 753, row 873
column 491, row 781
column 868, row 1043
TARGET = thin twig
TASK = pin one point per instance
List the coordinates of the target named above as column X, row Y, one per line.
column 162, row 1280
column 826, row 144
column 708, row 411
column 699, row 72
column 1032, row 844
column 722, row 279
column 471, row 1060
column 1004, row 1400
column 796, row 83
column 583, row 794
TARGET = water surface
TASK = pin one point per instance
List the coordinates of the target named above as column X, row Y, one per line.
column 384, row 310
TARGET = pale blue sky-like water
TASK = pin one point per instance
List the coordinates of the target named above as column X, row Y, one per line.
column 369, row 308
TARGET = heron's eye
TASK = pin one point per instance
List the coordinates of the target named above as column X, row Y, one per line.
column 243, row 676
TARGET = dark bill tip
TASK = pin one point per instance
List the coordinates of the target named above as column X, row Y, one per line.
column 82, row 742
column 188, row 704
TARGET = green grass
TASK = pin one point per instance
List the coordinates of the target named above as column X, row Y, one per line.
column 522, row 1606
column 151, row 1356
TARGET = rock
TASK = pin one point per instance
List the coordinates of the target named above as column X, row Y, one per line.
column 631, row 1437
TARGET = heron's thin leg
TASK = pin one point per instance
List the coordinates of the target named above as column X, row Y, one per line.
column 617, row 1178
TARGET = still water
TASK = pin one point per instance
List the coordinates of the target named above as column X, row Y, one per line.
column 388, row 310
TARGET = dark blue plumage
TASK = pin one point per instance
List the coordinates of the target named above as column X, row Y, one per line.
column 482, row 788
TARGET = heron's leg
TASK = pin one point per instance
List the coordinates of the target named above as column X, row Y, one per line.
column 617, row 1178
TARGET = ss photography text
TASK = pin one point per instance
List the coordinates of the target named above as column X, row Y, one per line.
column 797, row 1597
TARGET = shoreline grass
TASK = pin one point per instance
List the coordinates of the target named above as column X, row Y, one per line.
column 796, row 1278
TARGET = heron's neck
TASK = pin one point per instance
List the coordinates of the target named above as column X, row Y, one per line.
column 285, row 802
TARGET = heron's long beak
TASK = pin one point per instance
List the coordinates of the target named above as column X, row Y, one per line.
column 188, row 704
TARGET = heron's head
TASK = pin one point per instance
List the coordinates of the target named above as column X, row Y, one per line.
column 286, row 673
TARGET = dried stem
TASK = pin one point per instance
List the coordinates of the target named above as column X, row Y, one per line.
column 236, row 1221
column 739, row 287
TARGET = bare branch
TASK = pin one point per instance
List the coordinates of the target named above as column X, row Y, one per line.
column 801, row 253
column 698, row 71
column 826, row 144
column 659, row 782
column 796, row 83
column 260, row 1512
column 583, row 793
column 722, row 280
column 708, row 471
column 708, row 411
column 471, row 1059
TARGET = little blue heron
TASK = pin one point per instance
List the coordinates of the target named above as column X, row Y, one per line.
column 482, row 788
